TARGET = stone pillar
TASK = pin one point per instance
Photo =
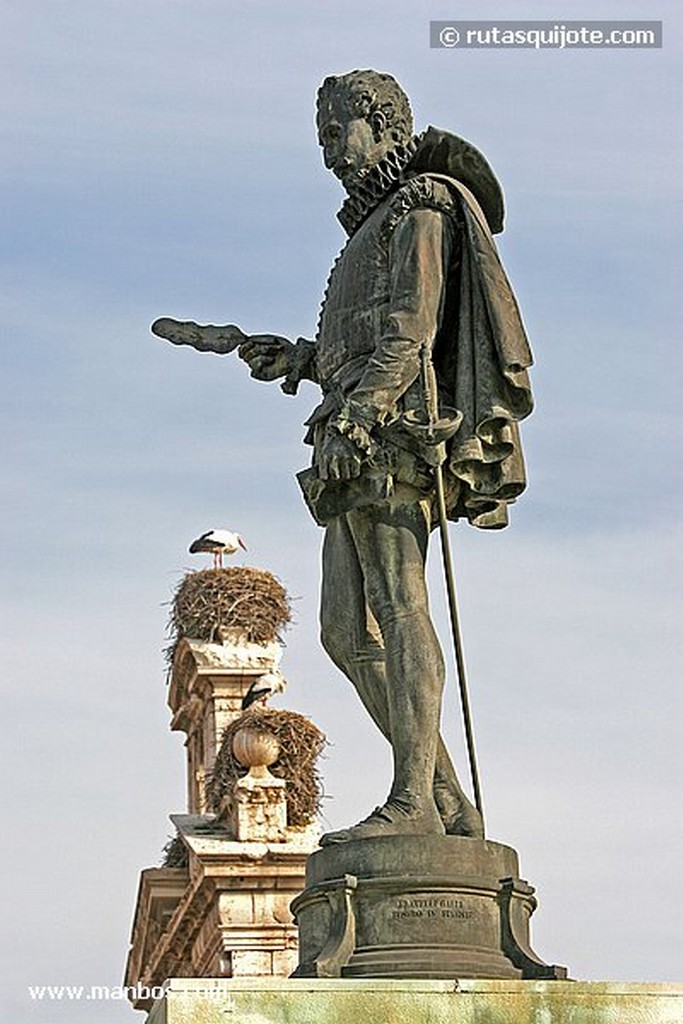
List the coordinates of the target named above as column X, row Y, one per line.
column 257, row 810
column 222, row 910
column 208, row 682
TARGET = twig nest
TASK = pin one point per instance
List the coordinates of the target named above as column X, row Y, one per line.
column 235, row 605
column 255, row 748
column 300, row 745
column 175, row 853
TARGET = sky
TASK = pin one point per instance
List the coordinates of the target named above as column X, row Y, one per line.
column 160, row 158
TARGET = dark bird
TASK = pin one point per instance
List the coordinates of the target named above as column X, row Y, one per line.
column 218, row 543
column 264, row 687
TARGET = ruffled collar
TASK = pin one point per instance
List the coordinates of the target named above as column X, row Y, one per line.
column 376, row 185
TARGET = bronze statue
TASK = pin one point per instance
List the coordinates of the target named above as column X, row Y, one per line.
column 417, row 297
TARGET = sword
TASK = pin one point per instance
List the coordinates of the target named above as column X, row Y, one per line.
column 436, row 431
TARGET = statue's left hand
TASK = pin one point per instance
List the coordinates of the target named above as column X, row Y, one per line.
column 339, row 459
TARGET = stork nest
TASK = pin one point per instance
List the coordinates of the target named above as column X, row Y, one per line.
column 301, row 744
column 211, row 601
column 175, row 853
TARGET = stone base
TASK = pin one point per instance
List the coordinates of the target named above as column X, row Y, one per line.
column 227, row 913
column 271, row 1001
column 416, row 907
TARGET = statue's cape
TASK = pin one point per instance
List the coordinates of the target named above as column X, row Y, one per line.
column 481, row 354
column 440, row 152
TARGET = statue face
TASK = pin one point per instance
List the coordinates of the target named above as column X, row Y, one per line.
column 349, row 143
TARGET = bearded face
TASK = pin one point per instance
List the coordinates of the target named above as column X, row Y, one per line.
column 351, row 145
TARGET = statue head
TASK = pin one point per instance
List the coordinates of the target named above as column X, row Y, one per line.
column 361, row 117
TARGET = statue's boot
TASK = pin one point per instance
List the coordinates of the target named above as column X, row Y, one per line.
column 404, row 814
column 459, row 815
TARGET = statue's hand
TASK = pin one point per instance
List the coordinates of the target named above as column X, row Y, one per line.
column 267, row 355
column 339, row 458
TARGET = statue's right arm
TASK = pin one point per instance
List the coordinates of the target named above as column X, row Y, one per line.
column 269, row 356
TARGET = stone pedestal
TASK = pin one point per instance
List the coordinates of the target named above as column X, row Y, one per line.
column 257, row 808
column 416, row 907
column 208, row 1001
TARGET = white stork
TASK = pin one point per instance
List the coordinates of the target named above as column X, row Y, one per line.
column 264, row 687
column 218, row 543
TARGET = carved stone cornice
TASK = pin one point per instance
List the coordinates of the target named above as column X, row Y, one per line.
column 233, row 901
column 159, row 893
column 201, row 669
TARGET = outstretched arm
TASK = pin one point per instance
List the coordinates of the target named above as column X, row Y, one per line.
column 269, row 356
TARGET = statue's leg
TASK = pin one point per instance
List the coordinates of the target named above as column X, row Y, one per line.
column 348, row 631
column 351, row 637
column 390, row 543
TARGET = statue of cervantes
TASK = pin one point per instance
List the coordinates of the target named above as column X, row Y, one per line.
column 419, row 273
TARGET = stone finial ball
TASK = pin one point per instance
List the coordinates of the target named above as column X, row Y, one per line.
column 255, row 748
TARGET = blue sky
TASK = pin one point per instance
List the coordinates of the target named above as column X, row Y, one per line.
column 160, row 159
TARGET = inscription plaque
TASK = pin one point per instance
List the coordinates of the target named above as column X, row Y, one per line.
column 434, row 907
